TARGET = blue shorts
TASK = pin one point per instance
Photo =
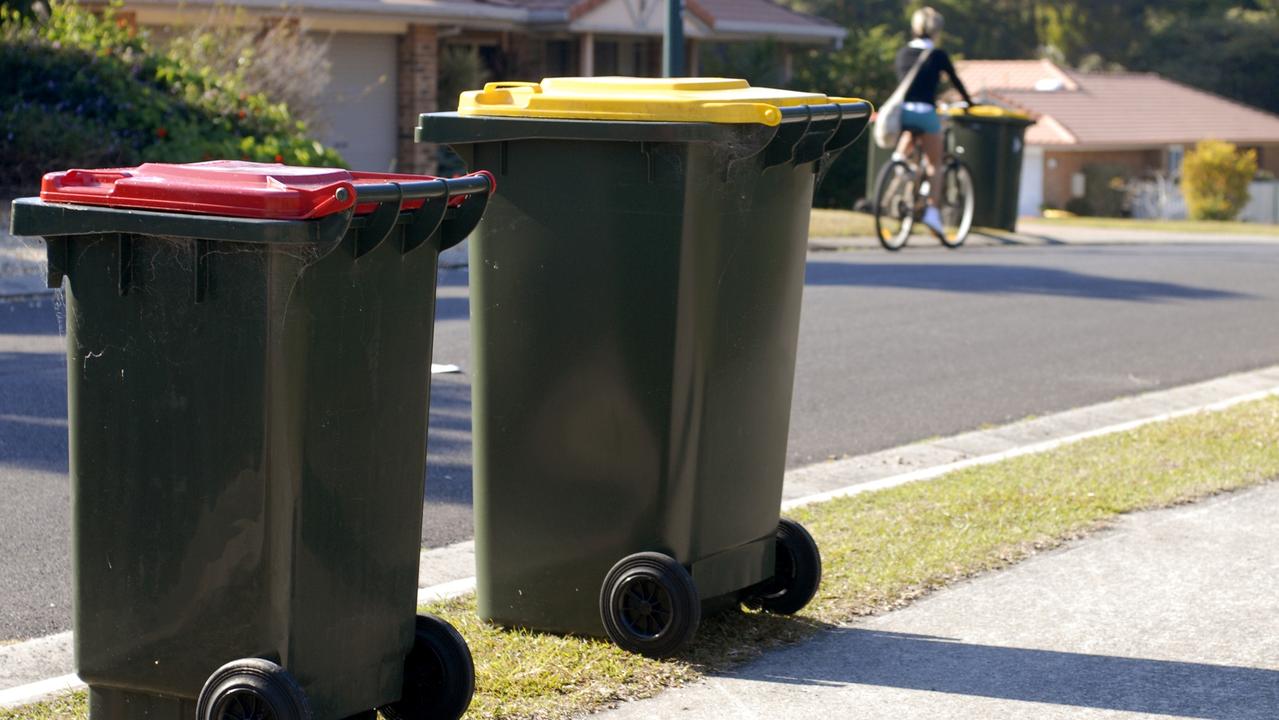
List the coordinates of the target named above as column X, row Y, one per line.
column 921, row 122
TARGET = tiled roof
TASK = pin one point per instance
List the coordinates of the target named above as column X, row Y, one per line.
column 714, row 13
column 1115, row 109
column 979, row 75
column 754, row 11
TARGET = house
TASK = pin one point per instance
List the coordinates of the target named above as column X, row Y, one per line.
column 1139, row 123
column 385, row 54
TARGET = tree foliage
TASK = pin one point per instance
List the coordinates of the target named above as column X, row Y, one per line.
column 1214, row 179
column 79, row 88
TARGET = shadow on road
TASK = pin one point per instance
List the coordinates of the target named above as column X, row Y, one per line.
column 448, row 462
column 922, row 662
column 1004, row 279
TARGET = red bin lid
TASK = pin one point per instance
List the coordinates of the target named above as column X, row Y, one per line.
column 220, row 187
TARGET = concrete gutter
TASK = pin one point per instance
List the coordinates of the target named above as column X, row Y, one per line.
column 36, row 669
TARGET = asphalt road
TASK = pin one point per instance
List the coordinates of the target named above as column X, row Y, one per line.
column 893, row 349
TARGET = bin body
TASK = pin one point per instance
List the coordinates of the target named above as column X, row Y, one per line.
column 876, row 158
column 992, row 146
column 248, row 414
column 634, row 342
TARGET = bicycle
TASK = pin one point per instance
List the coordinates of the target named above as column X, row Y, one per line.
column 901, row 195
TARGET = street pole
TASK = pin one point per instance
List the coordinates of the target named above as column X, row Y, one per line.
column 673, row 40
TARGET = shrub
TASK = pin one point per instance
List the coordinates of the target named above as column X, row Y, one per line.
column 1079, row 206
column 1104, row 189
column 275, row 58
column 81, row 89
column 1214, row 179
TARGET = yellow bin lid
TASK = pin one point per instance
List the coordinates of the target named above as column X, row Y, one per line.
column 716, row 100
column 993, row 112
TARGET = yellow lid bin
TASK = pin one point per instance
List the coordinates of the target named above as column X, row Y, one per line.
column 989, row 112
column 631, row 99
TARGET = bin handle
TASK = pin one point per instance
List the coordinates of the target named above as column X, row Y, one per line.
column 491, row 87
column 475, row 187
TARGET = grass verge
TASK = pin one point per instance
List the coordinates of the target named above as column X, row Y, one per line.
column 825, row 222
column 882, row 550
column 1176, row 226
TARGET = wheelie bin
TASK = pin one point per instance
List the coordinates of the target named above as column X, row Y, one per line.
column 635, row 294
column 876, row 158
column 248, row 351
column 991, row 141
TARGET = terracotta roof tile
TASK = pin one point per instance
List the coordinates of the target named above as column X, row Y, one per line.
column 710, row 11
column 1115, row 109
column 756, row 11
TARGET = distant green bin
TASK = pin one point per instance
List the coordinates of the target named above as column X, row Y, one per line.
column 635, row 295
column 991, row 141
column 247, row 407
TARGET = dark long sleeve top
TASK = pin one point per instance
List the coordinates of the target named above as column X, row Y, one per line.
column 925, row 88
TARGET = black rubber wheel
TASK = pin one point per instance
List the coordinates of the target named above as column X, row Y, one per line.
column 798, row 572
column 957, row 204
column 649, row 605
column 252, row 689
column 439, row 675
column 894, row 204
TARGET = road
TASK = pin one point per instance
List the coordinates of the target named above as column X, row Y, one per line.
column 893, row 349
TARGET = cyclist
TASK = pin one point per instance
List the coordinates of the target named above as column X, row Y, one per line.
column 920, row 122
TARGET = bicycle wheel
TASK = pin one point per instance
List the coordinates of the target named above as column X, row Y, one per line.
column 894, row 206
column 956, row 204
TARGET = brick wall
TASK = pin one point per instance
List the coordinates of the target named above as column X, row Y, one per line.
column 1059, row 167
column 1268, row 158
column 417, row 77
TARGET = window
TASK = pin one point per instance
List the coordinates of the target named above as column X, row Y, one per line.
column 559, row 58
column 606, row 58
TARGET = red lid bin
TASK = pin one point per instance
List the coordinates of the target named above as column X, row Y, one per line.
column 253, row 190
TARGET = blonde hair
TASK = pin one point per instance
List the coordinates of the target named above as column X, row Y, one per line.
column 926, row 22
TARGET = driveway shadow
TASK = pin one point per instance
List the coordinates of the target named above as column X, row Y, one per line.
column 1005, row 280
column 447, row 513
column 35, row 316
column 921, row 662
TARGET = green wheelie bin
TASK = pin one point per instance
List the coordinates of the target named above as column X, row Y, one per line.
column 635, row 294
column 991, row 141
column 248, row 385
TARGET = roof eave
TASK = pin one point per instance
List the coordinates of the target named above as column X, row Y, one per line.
column 401, row 9
column 745, row 30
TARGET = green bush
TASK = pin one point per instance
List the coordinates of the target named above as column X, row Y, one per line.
column 1214, row 179
column 81, row 89
column 1104, row 189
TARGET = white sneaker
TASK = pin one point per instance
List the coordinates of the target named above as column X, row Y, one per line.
column 932, row 218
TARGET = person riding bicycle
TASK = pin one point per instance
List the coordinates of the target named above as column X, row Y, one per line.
column 920, row 122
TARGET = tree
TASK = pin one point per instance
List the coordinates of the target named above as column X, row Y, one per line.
column 78, row 88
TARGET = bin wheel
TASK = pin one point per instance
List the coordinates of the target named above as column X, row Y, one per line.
column 252, row 689
column 649, row 604
column 797, row 574
column 366, row 715
column 439, row 675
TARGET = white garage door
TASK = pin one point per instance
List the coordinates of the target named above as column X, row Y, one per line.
column 360, row 108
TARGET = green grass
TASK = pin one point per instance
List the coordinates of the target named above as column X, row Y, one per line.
column 71, row 705
column 1180, row 226
column 840, row 223
column 882, row 550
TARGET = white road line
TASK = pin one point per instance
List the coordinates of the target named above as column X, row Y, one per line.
column 937, row 471
column 36, row 691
